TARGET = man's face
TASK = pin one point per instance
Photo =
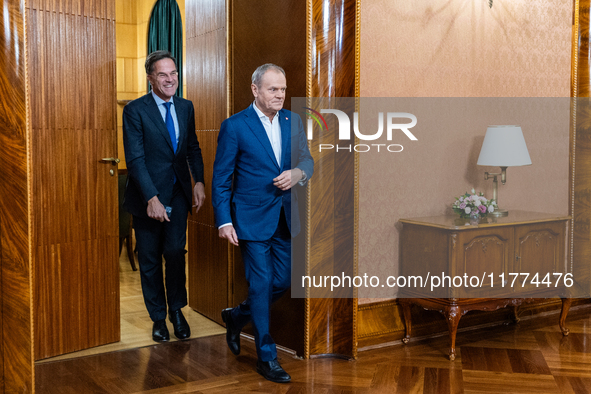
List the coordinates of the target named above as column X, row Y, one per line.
column 164, row 79
column 269, row 97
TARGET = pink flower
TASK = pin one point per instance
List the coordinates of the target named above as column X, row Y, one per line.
column 482, row 208
column 463, row 205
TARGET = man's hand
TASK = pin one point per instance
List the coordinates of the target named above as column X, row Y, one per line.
column 198, row 196
column 156, row 210
column 229, row 233
column 288, row 179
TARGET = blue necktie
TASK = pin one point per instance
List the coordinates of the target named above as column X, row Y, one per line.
column 170, row 126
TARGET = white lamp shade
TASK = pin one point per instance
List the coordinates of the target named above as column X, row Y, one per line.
column 504, row 146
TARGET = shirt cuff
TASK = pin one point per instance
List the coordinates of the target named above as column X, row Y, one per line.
column 225, row 225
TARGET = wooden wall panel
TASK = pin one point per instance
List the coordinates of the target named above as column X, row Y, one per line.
column 208, row 271
column 74, row 197
column 208, row 144
column 280, row 39
column 332, row 193
column 581, row 151
column 102, row 9
column 208, row 79
column 16, row 340
column 206, row 87
column 204, row 16
column 252, row 46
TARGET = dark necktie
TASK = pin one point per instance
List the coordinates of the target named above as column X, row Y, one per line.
column 170, row 126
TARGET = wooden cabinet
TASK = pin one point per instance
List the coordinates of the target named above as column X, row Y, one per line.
column 501, row 262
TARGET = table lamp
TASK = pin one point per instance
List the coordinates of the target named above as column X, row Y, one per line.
column 503, row 146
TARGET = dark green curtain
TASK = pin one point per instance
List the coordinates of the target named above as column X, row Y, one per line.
column 165, row 32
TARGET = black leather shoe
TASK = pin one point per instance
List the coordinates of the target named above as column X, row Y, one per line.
column 160, row 331
column 232, row 332
column 181, row 327
column 271, row 370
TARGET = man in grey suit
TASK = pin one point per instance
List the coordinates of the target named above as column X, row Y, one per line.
column 162, row 152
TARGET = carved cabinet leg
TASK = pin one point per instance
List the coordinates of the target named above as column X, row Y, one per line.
column 452, row 315
column 566, row 302
column 407, row 321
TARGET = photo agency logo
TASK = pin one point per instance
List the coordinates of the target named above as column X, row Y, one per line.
column 393, row 124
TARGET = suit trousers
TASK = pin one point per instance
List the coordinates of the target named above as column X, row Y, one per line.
column 155, row 240
column 267, row 265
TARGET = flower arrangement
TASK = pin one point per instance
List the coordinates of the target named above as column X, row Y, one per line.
column 473, row 205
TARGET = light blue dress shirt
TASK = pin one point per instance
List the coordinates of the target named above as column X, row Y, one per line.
column 162, row 109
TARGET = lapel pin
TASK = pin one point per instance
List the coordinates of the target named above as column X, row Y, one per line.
column 286, row 118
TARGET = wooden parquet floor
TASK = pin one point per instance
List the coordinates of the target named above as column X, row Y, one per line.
column 529, row 357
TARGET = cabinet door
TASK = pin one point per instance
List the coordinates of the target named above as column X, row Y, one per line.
column 481, row 257
column 539, row 253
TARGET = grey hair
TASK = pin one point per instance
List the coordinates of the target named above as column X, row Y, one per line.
column 156, row 56
column 257, row 75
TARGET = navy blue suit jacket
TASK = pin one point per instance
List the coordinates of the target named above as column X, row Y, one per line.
column 245, row 165
column 151, row 162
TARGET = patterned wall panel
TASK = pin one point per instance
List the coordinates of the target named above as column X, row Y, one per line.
column 581, row 151
column 332, row 198
column 16, row 341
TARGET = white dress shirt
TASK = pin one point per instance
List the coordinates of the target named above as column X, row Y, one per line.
column 273, row 130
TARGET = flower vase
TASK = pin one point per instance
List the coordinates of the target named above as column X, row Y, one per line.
column 474, row 219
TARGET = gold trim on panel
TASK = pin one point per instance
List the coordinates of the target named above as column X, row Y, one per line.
column 229, row 58
column 310, row 182
column 356, row 173
column 26, row 11
column 573, row 130
column 358, row 48
column 229, row 31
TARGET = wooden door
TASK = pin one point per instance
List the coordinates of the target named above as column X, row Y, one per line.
column 72, row 96
column 209, row 255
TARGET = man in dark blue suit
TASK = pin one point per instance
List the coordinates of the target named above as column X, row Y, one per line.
column 260, row 157
column 160, row 149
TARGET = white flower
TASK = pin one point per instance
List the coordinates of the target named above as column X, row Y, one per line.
column 477, row 202
column 473, row 191
column 491, row 208
column 467, row 210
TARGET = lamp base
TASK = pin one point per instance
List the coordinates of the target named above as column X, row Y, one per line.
column 499, row 213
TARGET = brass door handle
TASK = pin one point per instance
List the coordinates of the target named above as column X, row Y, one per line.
column 112, row 160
